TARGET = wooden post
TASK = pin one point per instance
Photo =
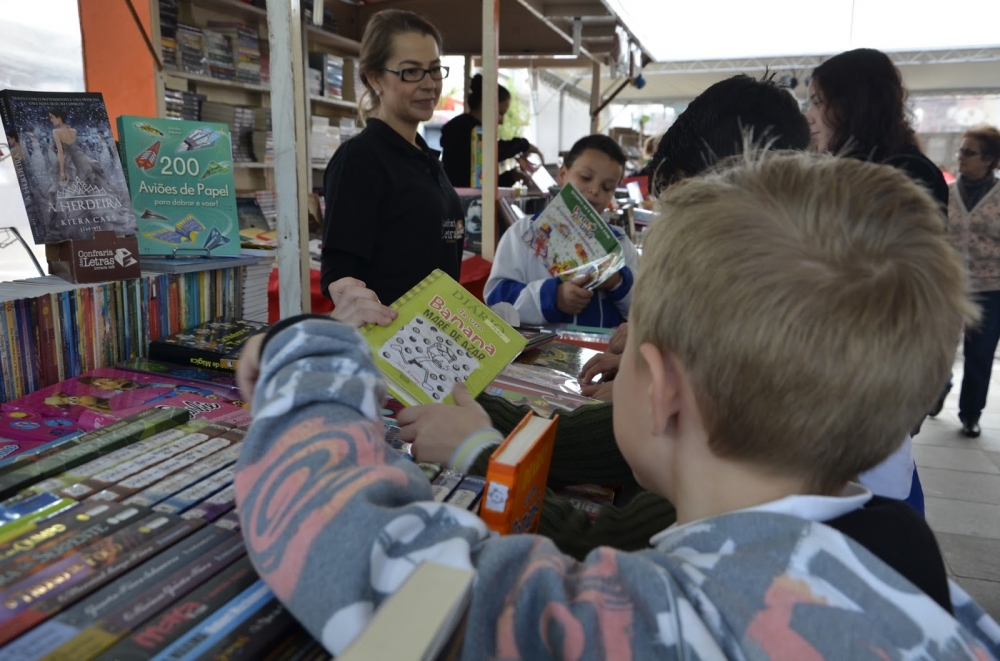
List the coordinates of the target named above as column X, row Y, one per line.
column 595, row 99
column 291, row 175
column 491, row 57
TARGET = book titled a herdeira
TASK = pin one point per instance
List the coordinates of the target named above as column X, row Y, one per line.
column 180, row 175
column 67, row 165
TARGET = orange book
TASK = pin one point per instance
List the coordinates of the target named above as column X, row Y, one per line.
column 516, row 477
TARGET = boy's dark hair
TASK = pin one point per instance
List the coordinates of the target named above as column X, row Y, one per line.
column 597, row 142
column 476, row 92
column 59, row 112
column 716, row 124
column 865, row 104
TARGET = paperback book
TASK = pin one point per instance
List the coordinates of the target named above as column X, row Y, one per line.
column 573, row 241
column 214, row 345
column 443, row 336
column 180, row 176
column 67, row 166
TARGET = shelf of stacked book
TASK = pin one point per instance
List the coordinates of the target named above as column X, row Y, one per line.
column 218, row 82
column 337, row 103
column 244, row 10
column 320, row 37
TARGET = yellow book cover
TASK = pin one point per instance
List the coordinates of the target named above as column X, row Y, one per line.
column 443, row 335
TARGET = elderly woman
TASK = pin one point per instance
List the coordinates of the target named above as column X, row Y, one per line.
column 974, row 229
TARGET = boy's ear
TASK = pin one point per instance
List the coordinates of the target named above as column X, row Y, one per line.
column 561, row 175
column 665, row 385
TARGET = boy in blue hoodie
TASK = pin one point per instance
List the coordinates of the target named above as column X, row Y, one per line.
column 595, row 166
column 763, row 370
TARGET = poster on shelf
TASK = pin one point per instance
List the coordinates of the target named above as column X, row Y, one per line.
column 180, row 175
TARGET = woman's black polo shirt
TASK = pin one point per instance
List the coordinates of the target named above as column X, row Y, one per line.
column 391, row 214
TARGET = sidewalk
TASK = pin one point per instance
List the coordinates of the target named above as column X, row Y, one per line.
column 961, row 481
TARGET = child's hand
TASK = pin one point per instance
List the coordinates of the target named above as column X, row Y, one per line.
column 248, row 368
column 356, row 305
column 611, row 282
column 437, row 429
column 600, row 391
column 571, row 297
column 618, row 340
column 604, row 365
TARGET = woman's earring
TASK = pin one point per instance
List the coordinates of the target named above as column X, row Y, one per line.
column 378, row 92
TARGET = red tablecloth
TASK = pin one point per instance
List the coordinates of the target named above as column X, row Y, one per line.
column 475, row 272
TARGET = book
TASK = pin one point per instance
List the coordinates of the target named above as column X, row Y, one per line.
column 215, row 345
column 516, row 477
column 67, row 166
column 180, row 176
column 544, row 401
column 573, row 241
column 559, row 356
column 442, row 336
column 411, row 627
column 195, row 374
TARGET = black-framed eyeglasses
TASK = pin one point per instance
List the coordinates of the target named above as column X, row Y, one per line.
column 969, row 153
column 416, row 74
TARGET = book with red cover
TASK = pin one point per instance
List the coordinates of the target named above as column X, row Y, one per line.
column 516, row 477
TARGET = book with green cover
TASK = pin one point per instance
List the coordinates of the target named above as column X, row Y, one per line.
column 573, row 241
column 180, row 176
column 443, row 335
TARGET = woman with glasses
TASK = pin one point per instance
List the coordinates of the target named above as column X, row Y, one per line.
column 392, row 216
column 974, row 229
column 456, row 139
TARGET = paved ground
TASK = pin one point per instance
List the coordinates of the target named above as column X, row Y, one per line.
column 961, row 480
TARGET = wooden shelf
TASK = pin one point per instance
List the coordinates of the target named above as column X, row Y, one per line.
column 208, row 80
column 324, row 38
column 241, row 9
column 337, row 103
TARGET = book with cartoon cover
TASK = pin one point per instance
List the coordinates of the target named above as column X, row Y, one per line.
column 443, row 335
column 67, row 166
column 573, row 241
column 180, row 175
column 214, row 345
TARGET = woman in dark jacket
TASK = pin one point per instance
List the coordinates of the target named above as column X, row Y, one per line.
column 857, row 108
column 456, row 139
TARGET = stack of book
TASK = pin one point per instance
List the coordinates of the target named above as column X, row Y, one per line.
column 219, row 55
column 183, row 105
column 331, row 74
column 323, row 140
column 190, row 49
column 255, row 282
column 241, row 121
column 263, row 138
column 51, row 330
column 168, row 30
column 268, row 204
column 245, row 46
column 329, row 20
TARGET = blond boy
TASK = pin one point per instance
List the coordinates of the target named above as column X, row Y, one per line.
column 781, row 343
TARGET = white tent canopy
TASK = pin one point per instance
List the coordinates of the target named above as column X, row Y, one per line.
column 680, row 30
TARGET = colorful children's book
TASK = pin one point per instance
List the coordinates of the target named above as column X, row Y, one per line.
column 106, row 394
column 573, row 241
column 443, row 335
column 516, row 477
column 214, row 345
column 67, row 166
column 544, row 401
column 180, row 175
column 188, row 373
column 566, row 358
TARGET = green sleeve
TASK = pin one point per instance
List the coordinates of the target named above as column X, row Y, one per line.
column 585, row 450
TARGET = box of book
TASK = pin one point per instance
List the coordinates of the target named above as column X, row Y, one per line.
column 215, row 345
column 517, row 475
column 442, row 336
column 573, row 241
column 180, row 176
column 67, row 166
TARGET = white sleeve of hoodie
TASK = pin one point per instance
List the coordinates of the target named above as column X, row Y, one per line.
column 514, row 262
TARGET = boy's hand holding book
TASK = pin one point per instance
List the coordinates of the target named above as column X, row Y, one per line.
column 436, row 430
column 572, row 297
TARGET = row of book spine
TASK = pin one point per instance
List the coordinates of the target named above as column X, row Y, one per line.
column 60, row 331
column 150, row 566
